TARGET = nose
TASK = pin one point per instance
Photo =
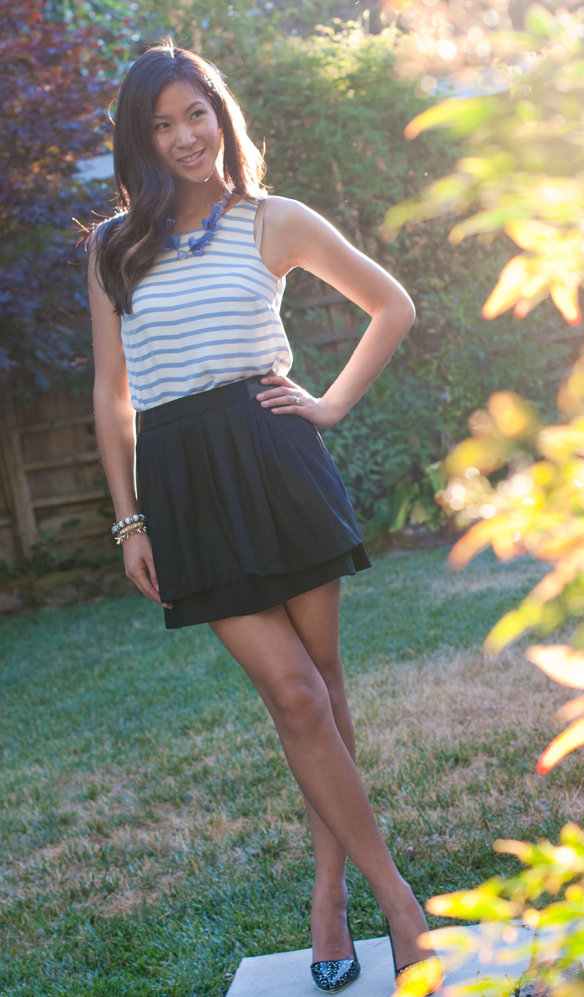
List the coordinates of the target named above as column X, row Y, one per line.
column 185, row 136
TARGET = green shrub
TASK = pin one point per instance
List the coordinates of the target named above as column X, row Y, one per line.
column 333, row 115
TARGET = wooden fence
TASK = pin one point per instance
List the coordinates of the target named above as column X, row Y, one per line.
column 51, row 480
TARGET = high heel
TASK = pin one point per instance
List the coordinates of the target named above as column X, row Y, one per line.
column 417, row 979
column 332, row 975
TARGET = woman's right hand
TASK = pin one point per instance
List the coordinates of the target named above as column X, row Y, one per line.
column 139, row 566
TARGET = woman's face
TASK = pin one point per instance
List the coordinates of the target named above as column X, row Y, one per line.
column 186, row 132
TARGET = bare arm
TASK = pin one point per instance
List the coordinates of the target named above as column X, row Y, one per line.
column 293, row 235
column 114, row 424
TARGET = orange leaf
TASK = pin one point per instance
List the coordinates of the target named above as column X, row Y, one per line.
column 560, row 661
column 558, row 543
column 557, row 443
column 486, row 454
column 504, row 545
column 474, row 540
column 510, row 413
column 571, row 394
column 531, row 234
column 525, row 305
column 508, row 846
column 572, row 710
column 508, row 290
column 565, row 297
column 561, row 746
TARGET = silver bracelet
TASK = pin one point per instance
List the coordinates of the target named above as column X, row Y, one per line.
column 138, row 517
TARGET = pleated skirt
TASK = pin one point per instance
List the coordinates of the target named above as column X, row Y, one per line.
column 245, row 509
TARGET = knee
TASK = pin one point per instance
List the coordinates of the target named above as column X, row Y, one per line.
column 331, row 671
column 329, row 665
column 301, row 706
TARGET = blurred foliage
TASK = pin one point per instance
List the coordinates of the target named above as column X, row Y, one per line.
column 524, row 169
column 558, row 939
column 538, row 508
column 465, row 47
column 56, row 82
column 522, row 175
column 228, row 33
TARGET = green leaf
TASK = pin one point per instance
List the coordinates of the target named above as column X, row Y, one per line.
column 486, row 221
column 380, row 520
column 463, row 116
column 436, row 476
column 403, row 499
column 437, row 198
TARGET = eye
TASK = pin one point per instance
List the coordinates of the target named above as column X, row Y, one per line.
column 161, row 124
column 197, row 114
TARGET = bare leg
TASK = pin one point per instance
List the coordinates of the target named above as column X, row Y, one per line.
column 328, row 921
column 271, row 653
column 315, row 618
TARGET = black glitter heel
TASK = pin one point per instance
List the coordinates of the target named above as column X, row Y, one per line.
column 332, row 975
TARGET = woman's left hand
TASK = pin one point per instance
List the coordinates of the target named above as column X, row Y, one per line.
column 284, row 397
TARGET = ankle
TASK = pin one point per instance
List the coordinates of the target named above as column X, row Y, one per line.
column 393, row 901
column 329, row 924
column 330, row 891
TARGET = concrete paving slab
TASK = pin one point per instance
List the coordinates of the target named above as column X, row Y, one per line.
column 287, row 974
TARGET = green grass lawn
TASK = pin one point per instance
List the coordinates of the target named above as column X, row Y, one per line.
column 151, row 834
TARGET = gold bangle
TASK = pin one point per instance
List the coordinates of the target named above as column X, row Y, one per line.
column 134, row 528
column 129, row 531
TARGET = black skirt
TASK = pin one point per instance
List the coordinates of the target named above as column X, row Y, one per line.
column 245, row 509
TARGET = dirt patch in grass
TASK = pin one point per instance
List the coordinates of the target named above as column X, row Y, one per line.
column 457, row 740
column 124, row 850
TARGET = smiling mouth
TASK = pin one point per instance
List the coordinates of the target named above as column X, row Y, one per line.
column 194, row 157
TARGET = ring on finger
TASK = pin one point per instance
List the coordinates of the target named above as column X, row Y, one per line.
column 296, row 399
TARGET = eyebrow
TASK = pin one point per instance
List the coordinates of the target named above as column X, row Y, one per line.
column 189, row 108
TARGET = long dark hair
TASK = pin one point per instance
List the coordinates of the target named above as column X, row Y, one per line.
column 126, row 246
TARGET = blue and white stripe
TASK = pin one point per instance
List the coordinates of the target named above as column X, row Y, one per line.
column 206, row 320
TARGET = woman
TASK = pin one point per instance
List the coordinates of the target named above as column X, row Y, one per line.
column 240, row 518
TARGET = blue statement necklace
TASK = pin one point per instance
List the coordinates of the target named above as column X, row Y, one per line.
column 198, row 246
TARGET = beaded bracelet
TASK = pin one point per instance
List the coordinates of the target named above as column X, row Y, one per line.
column 129, row 531
column 138, row 517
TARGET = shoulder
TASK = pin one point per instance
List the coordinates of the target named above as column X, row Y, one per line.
column 95, row 245
column 102, row 232
column 293, row 223
column 99, row 237
column 295, row 235
column 283, row 211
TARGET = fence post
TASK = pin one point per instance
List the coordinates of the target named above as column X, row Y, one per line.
column 17, row 483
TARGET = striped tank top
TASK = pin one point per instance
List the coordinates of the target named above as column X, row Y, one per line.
column 205, row 320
